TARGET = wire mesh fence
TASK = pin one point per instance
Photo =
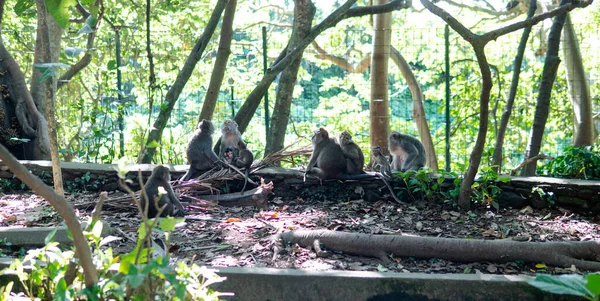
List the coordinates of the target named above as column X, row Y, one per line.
column 337, row 95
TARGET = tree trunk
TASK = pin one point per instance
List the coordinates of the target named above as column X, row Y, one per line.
column 512, row 94
column 579, row 89
column 418, row 111
column 216, row 78
column 45, row 46
column 380, row 102
column 32, row 122
column 464, row 197
column 182, row 78
column 542, row 106
column 582, row 254
column 304, row 11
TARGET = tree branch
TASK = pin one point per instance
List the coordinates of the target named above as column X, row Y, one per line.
column 61, row 206
column 342, row 62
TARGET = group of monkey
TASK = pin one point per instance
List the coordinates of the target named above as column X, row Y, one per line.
column 342, row 159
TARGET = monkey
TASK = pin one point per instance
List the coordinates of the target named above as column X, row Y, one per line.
column 407, row 151
column 230, row 137
column 160, row 177
column 381, row 160
column 355, row 159
column 244, row 159
column 200, row 154
column 327, row 160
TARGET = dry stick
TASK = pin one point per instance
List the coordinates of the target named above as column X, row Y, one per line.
column 383, row 178
column 529, row 161
column 63, row 208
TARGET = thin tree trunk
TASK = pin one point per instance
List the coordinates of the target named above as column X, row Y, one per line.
column 380, row 101
column 216, row 78
column 304, row 12
column 418, row 111
column 512, row 94
column 182, row 78
column 48, row 85
column 542, row 107
column 579, row 89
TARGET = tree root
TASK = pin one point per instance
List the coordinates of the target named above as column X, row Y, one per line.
column 582, row 254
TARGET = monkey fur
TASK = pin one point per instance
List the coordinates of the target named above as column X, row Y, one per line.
column 200, row 154
column 355, row 159
column 160, row 177
column 230, row 137
column 244, row 159
column 381, row 161
column 327, row 160
column 408, row 152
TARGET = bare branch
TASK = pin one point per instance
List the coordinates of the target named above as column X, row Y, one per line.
column 342, row 62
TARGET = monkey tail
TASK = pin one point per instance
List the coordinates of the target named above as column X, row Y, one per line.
column 245, row 180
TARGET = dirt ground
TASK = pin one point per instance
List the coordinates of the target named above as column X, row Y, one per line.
column 243, row 239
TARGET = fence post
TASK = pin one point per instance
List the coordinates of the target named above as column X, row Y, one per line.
column 121, row 106
column 264, row 40
column 447, row 79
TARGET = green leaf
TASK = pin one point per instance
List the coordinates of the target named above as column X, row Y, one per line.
column 50, row 236
column 562, row 285
column 59, row 9
column 97, row 230
column 153, row 144
column 22, row 6
column 61, row 292
column 168, row 224
column 112, row 65
column 593, row 283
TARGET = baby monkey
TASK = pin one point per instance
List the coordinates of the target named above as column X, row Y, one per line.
column 381, row 161
column 407, row 151
column 355, row 159
column 160, row 177
column 244, row 159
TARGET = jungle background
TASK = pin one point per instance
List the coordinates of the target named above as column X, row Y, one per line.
column 87, row 108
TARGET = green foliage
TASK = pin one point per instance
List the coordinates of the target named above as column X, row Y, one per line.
column 83, row 183
column 485, row 189
column 429, row 185
column 575, row 162
column 587, row 286
column 545, row 196
column 43, row 272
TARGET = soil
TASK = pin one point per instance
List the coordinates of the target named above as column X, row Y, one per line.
column 243, row 238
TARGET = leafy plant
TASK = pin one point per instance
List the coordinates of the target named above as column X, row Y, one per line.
column 545, row 196
column 587, row 286
column 575, row 162
column 424, row 182
column 485, row 189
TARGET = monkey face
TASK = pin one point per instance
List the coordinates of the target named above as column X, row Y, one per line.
column 376, row 151
column 394, row 141
column 162, row 171
column 345, row 137
column 230, row 127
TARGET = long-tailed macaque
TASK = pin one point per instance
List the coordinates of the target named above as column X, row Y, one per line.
column 200, row 154
column 244, row 159
column 407, row 151
column 230, row 137
column 381, row 161
column 327, row 160
column 160, row 177
column 355, row 160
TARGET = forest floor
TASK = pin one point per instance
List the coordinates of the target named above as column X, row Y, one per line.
column 243, row 240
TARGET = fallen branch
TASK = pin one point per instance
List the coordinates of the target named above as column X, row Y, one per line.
column 582, row 254
column 531, row 160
